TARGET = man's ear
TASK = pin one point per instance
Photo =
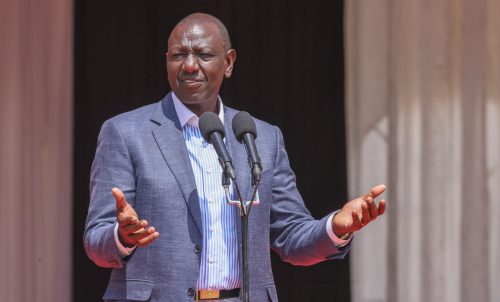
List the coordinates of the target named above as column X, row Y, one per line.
column 230, row 59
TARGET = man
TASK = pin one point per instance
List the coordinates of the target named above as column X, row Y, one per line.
column 168, row 233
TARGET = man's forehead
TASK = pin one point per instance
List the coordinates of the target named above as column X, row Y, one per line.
column 184, row 33
column 194, row 30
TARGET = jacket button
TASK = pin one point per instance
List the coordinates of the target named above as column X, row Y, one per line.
column 190, row 291
column 197, row 248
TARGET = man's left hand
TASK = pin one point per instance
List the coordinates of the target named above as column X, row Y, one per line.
column 359, row 212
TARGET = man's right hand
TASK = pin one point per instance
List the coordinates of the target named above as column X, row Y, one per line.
column 131, row 231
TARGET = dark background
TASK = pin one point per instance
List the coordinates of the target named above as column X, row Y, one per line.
column 289, row 72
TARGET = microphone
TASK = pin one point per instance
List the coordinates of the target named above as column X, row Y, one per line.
column 246, row 132
column 212, row 130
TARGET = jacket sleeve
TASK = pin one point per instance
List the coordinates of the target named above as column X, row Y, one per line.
column 112, row 167
column 296, row 236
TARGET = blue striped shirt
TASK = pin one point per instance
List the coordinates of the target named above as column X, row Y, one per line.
column 220, row 267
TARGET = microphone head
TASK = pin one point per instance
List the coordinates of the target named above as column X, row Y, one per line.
column 243, row 123
column 209, row 123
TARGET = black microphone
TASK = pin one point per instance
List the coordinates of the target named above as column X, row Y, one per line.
column 246, row 132
column 213, row 131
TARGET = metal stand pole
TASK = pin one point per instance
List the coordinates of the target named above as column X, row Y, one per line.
column 244, row 253
column 245, row 208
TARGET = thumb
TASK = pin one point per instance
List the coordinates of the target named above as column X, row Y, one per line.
column 121, row 202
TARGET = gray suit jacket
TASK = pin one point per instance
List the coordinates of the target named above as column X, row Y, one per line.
column 143, row 153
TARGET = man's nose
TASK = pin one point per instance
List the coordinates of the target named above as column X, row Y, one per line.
column 190, row 64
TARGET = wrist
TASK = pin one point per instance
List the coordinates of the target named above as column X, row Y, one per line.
column 341, row 233
column 346, row 236
column 125, row 244
column 123, row 251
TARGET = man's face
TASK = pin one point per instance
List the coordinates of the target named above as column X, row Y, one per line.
column 197, row 63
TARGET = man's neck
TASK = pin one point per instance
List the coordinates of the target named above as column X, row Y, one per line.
column 186, row 113
column 203, row 107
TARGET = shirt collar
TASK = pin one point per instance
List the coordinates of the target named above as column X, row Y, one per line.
column 186, row 116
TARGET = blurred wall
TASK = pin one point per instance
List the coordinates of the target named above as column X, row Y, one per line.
column 423, row 116
column 35, row 145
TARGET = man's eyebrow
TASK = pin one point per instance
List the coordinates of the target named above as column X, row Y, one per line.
column 205, row 47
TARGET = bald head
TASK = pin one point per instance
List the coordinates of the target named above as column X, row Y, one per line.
column 199, row 58
column 202, row 19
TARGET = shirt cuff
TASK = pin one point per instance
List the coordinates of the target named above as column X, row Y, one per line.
column 336, row 240
column 122, row 250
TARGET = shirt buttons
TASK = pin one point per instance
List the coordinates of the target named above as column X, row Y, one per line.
column 212, row 229
column 210, row 201
column 211, row 259
column 209, row 171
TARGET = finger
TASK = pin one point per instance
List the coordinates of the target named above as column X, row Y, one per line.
column 147, row 240
column 356, row 221
column 121, row 202
column 375, row 191
column 372, row 208
column 140, row 234
column 134, row 238
column 365, row 214
column 381, row 207
column 134, row 227
column 124, row 219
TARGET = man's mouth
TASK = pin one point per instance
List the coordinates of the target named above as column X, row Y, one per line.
column 191, row 82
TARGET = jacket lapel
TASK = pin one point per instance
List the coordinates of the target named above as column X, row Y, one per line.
column 168, row 136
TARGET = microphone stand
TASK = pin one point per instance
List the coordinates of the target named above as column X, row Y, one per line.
column 245, row 207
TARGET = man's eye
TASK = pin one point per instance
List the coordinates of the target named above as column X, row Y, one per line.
column 205, row 56
column 177, row 56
